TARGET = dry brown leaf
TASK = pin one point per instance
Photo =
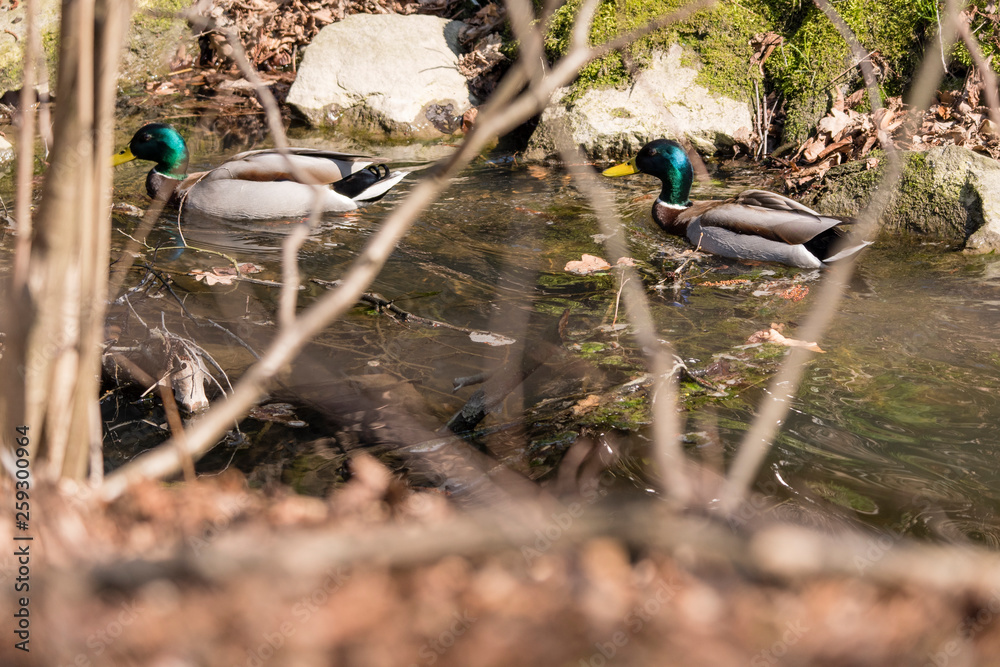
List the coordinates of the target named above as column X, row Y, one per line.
column 586, row 265
column 586, row 404
column 812, row 148
column 868, row 145
column 764, row 45
column 843, row 146
column 772, row 335
column 885, row 119
column 469, row 119
column 223, row 275
column 834, row 123
column 855, row 98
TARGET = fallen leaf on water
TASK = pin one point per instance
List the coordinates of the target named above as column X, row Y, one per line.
column 726, row 284
column 223, row 275
column 217, row 276
column 586, row 265
column 773, row 336
column 538, row 172
column 127, row 209
column 492, row 339
column 782, row 289
column 625, row 261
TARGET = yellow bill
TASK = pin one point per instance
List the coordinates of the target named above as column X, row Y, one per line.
column 623, row 169
column 122, row 156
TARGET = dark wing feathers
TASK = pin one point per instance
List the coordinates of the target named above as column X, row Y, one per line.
column 315, row 166
column 767, row 215
column 771, row 201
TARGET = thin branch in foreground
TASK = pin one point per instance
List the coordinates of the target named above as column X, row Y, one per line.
column 985, row 70
column 670, row 457
column 495, row 119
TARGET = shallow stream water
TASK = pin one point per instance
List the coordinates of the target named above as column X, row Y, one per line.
column 897, row 425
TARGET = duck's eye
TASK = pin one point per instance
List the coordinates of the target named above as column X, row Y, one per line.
column 145, row 137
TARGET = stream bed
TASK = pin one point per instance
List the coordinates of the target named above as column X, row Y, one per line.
column 896, row 426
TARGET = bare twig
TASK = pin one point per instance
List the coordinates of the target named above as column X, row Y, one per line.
column 666, row 422
column 496, row 118
column 985, row 70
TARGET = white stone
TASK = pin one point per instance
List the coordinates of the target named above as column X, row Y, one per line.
column 664, row 102
column 6, row 155
column 384, row 69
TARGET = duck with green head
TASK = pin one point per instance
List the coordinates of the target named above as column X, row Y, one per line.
column 257, row 185
column 754, row 225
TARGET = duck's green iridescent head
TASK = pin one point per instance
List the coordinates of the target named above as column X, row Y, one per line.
column 667, row 161
column 159, row 143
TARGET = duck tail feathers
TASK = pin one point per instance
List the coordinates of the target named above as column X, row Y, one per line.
column 368, row 184
column 379, row 188
column 847, row 252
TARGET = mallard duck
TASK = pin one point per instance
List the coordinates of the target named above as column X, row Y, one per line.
column 756, row 224
column 257, row 184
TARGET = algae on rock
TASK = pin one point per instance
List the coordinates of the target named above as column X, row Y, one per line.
column 804, row 69
column 157, row 31
column 946, row 192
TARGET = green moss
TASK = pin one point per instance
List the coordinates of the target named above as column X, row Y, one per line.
column 812, row 59
column 843, row 496
column 940, row 199
column 718, row 39
column 768, row 352
column 624, row 414
column 592, row 350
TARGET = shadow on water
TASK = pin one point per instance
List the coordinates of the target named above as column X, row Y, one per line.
column 896, row 426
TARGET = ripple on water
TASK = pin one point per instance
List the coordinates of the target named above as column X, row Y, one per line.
column 902, row 409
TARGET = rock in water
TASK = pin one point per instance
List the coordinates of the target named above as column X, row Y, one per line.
column 664, row 101
column 6, row 156
column 382, row 76
column 946, row 192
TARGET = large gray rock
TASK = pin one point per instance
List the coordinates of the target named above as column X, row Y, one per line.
column 384, row 76
column 947, row 192
column 663, row 102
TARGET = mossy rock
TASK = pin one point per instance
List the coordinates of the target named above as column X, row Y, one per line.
column 812, row 60
column 947, row 192
column 154, row 37
column 717, row 42
column 665, row 101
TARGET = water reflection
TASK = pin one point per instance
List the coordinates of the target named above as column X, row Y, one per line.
column 898, row 424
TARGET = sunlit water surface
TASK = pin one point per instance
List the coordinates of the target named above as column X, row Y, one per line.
column 897, row 425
